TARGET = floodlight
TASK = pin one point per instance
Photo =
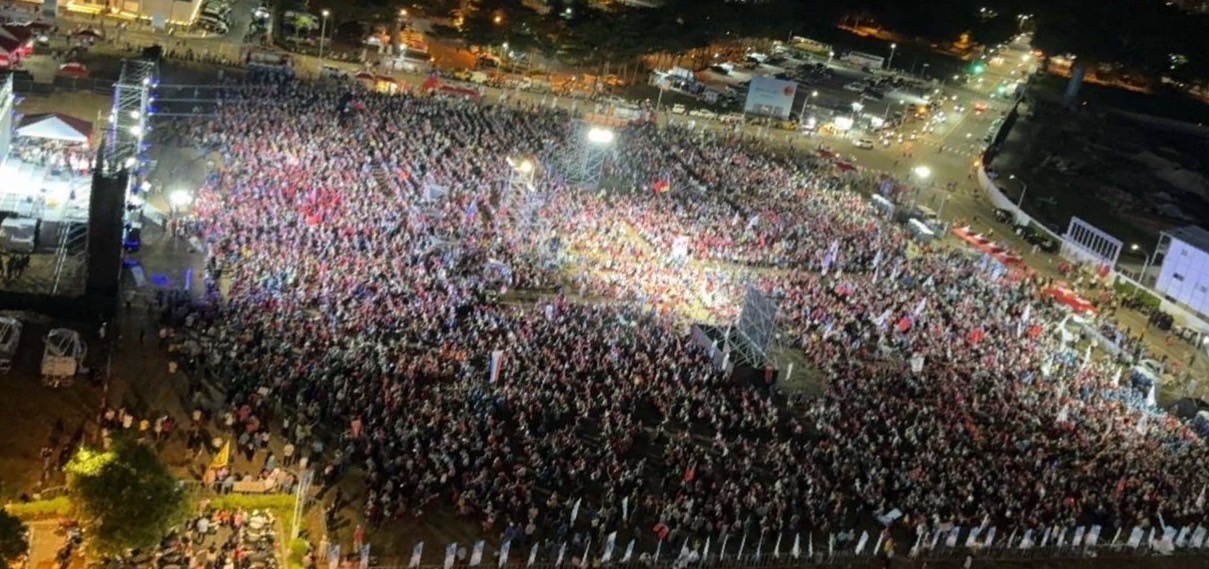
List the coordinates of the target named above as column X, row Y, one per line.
column 923, row 172
column 602, row 136
column 180, row 198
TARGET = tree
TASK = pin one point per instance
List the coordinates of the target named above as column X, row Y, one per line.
column 125, row 498
column 14, row 537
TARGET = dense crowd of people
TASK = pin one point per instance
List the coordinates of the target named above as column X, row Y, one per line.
column 366, row 252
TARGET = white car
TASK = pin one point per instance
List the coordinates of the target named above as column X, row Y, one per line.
column 864, row 143
column 854, row 87
column 703, row 114
column 678, row 109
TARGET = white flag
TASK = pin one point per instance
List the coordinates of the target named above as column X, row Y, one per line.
column 1198, row 537
column 532, row 555
column 629, row 551
column 796, row 552
column 476, row 555
column 776, row 549
column 972, row 537
column 1026, row 541
column 810, row 545
column 951, row 541
column 860, row 544
column 416, row 553
column 451, row 550
column 1077, row 540
column 575, row 510
column 722, row 553
column 705, row 555
column 1200, row 500
column 990, row 538
column 625, row 508
column 587, row 552
column 504, row 549
column 562, row 551
column 878, row 547
column 1181, row 539
column 742, row 545
column 610, row 542
column 1135, row 538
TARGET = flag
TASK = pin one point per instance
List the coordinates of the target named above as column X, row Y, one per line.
column 497, row 362
column 972, row 537
column 364, row 561
column 333, row 557
column 796, row 552
column 725, row 540
column 877, row 259
column 1200, row 500
column 610, row 542
column 629, row 551
column 625, row 508
column 1150, row 396
column 658, row 549
column 742, row 544
column 532, row 555
column 951, row 541
column 451, row 551
column 1092, row 538
column 860, row 544
column 1077, row 539
column 416, row 553
column 476, row 555
column 878, row 546
column 705, row 554
column 776, row 549
column 223, row 458
column 1026, row 541
column 1198, row 537
column 684, row 551
column 504, row 549
column 810, row 545
column 759, row 545
column 1135, row 538
column 562, row 550
column 587, row 551
column 919, row 308
column 575, row 510
column 1064, row 414
column 990, row 538
column 830, row 545
column 1181, row 539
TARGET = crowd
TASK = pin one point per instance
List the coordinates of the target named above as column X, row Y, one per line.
column 365, row 251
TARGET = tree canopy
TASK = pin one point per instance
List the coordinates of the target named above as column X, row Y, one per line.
column 125, row 497
column 14, row 539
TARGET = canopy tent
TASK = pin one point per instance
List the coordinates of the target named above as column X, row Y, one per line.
column 55, row 126
column 74, row 69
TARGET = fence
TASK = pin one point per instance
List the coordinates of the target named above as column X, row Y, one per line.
column 797, row 551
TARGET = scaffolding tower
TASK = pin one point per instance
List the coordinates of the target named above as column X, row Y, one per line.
column 128, row 118
column 757, row 327
column 591, row 145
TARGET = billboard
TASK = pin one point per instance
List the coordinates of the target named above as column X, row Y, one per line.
column 770, row 97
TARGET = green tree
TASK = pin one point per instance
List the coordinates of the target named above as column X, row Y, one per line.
column 14, row 537
column 125, row 498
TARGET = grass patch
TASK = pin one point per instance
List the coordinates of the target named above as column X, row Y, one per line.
column 296, row 552
column 40, row 509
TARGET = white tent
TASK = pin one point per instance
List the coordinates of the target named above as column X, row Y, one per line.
column 55, row 126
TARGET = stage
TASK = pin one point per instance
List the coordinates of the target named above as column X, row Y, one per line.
column 34, row 191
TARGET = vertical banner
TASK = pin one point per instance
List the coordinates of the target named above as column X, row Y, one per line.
column 629, row 552
column 860, row 544
column 333, row 557
column 476, row 555
column 610, row 543
column 416, row 553
column 364, row 561
column 497, row 362
column 451, row 552
column 562, row 551
column 532, row 555
column 504, row 549
column 1135, row 538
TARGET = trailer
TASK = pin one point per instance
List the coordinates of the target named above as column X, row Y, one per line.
column 63, row 357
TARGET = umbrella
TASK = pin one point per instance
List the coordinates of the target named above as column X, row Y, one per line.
column 76, row 70
column 365, row 76
column 89, row 32
column 384, row 79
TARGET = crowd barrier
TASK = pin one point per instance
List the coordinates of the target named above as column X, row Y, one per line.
column 806, row 550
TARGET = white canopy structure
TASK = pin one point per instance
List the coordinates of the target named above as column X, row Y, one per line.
column 55, row 126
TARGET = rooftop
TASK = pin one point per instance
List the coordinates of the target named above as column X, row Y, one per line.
column 1192, row 235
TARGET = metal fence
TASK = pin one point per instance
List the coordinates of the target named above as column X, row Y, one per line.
column 797, row 551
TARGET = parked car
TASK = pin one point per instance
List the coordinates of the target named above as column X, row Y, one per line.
column 678, row 109
column 863, row 143
column 854, row 87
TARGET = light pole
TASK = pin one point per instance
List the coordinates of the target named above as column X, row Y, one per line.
column 890, row 62
column 809, row 102
column 1023, row 190
column 830, row 55
column 923, row 173
column 322, row 35
column 1146, row 264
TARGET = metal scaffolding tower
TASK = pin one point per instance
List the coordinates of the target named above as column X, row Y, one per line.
column 128, row 118
column 591, row 146
column 757, row 326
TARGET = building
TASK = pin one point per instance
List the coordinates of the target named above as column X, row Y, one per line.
column 180, row 12
column 1184, row 275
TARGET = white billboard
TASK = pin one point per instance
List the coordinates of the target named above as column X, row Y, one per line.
column 770, row 97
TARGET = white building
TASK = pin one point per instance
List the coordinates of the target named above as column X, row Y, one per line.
column 1184, row 276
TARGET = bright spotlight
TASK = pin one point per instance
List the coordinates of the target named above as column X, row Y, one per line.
column 525, row 166
column 130, row 162
column 136, row 130
column 180, row 198
column 135, row 115
column 597, row 135
column 923, row 172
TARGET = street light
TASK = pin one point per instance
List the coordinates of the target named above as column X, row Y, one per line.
column 1023, row 189
column 1146, row 265
column 600, row 136
column 922, row 172
column 323, row 33
column 893, row 47
column 830, row 54
column 808, row 103
column 497, row 19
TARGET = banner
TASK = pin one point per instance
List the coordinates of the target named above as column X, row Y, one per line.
column 451, row 551
column 860, row 544
column 770, row 97
column 1135, row 538
column 504, row 549
column 497, row 362
column 333, row 557
column 532, row 555
column 629, row 552
column 610, row 542
column 416, row 553
column 476, row 555
column 364, row 561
